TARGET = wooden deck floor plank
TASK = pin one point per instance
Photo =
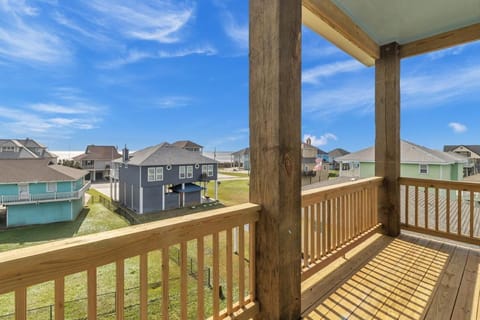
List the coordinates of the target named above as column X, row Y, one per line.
column 404, row 278
column 466, row 304
column 417, row 292
column 400, row 292
column 324, row 282
column 445, row 294
column 377, row 281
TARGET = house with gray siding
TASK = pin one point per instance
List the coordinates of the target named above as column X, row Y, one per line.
column 163, row 177
column 24, row 149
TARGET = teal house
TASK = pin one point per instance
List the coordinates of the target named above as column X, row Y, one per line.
column 35, row 191
column 416, row 162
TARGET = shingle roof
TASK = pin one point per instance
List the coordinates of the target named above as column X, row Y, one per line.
column 25, row 152
column 36, row 170
column 410, row 153
column 94, row 152
column 473, row 148
column 242, row 151
column 338, row 152
column 166, row 154
column 186, row 144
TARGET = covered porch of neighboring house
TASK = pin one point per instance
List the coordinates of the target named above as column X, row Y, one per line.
column 294, row 256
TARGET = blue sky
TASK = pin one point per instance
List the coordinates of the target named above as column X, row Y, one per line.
column 143, row 72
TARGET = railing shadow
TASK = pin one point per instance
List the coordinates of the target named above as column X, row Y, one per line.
column 389, row 278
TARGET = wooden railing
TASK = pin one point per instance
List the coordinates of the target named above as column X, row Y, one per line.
column 334, row 218
column 448, row 209
column 144, row 252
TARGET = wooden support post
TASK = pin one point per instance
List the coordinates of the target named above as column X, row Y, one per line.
column 387, row 139
column 275, row 127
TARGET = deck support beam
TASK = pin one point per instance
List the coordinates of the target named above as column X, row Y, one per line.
column 387, row 135
column 275, row 135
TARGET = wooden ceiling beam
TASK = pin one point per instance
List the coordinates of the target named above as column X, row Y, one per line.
column 441, row 41
column 326, row 19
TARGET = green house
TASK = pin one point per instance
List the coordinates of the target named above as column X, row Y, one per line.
column 34, row 191
column 416, row 162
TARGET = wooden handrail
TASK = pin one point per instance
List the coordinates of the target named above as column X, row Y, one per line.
column 323, row 193
column 444, row 184
column 37, row 264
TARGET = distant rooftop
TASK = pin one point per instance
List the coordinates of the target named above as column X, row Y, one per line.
column 36, row 170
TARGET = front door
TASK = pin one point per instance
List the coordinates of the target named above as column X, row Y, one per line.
column 23, row 191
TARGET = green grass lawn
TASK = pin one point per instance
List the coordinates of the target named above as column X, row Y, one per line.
column 230, row 192
column 94, row 218
column 234, row 174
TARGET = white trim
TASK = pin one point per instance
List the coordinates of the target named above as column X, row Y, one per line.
column 180, row 169
column 141, row 200
column 163, row 197
column 131, row 199
column 71, row 210
column 420, row 168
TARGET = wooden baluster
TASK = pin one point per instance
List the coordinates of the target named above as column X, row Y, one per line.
column 165, row 283
column 21, row 304
column 324, row 228
column 183, row 280
column 318, row 230
column 406, row 205
column 144, row 286
column 241, row 265
column 311, row 210
column 344, row 219
column 92, row 293
column 200, row 279
column 216, row 277
column 305, row 237
column 437, row 208
column 251, row 252
column 60, row 298
column 329, row 226
column 229, row 272
column 120, row 288
column 416, row 206
column 426, row 206
column 447, row 209
column 459, row 210
column 334, row 223
column 472, row 212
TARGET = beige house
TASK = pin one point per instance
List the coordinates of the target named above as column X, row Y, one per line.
column 314, row 169
column 472, row 152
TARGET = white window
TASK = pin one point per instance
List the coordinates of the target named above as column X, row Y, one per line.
column 210, row 170
column 424, row 169
column 151, row 174
column 204, row 169
column 51, row 187
column 190, row 172
column 159, row 174
column 181, row 172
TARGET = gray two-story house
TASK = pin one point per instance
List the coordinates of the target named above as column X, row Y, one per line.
column 163, row 177
column 97, row 160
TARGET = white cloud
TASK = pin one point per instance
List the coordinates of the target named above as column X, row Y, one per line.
column 158, row 21
column 135, row 56
column 23, row 40
column 236, row 31
column 457, row 127
column 322, row 140
column 313, row 75
column 62, row 109
column 173, row 102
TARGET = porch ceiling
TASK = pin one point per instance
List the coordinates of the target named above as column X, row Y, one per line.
column 360, row 26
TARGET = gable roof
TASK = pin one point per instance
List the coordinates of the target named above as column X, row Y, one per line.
column 338, row 152
column 93, row 152
column 409, row 153
column 186, row 144
column 36, row 170
column 27, row 149
column 166, row 154
column 473, row 148
column 240, row 152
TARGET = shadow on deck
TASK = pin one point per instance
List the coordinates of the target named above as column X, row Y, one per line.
column 396, row 278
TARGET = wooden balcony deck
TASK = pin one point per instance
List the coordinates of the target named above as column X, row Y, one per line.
column 407, row 277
